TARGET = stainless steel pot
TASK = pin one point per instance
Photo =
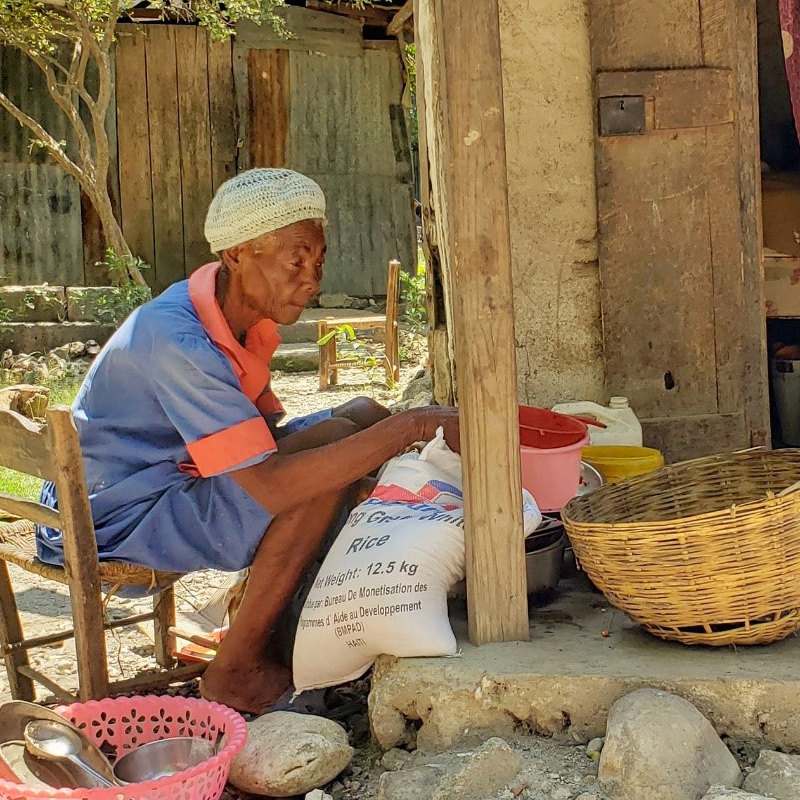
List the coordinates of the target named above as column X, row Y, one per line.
column 544, row 566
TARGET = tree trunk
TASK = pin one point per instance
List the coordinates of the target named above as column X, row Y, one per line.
column 115, row 239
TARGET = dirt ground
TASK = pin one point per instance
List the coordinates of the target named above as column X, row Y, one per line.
column 44, row 606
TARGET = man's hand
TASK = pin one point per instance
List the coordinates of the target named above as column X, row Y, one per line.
column 431, row 418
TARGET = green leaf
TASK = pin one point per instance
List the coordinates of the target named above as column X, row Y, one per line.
column 327, row 337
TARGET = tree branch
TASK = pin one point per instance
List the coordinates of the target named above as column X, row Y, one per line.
column 70, row 110
column 110, row 26
column 77, row 85
column 52, row 146
column 106, row 89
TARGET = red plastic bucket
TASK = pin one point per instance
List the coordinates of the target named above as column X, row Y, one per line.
column 550, row 455
column 545, row 429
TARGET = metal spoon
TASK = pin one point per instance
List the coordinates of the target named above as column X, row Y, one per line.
column 53, row 741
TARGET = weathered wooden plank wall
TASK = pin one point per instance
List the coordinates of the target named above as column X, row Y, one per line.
column 268, row 103
column 133, row 124
column 362, row 159
column 40, row 206
column 324, row 105
column 189, row 113
column 176, row 119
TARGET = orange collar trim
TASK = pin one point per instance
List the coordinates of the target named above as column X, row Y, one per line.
column 251, row 362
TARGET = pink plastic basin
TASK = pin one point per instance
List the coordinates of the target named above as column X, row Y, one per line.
column 551, row 475
column 121, row 724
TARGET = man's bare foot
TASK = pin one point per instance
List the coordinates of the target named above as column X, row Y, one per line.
column 251, row 688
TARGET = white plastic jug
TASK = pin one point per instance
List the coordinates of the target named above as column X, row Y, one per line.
column 622, row 425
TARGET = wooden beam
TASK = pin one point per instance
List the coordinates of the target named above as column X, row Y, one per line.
column 472, row 203
column 368, row 15
column 434, row 244
column 30, row 509
column 62, row 636
column 58, row 691
column 754, row 343
column 11, row 632
column 156, row 679
column 400, row 18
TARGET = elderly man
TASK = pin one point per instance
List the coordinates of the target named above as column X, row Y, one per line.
column 186, row 464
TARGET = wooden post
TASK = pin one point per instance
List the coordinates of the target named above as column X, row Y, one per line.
column 11, row 633
column 324, row 367
column 392, row 343
column 164, row 608
column 473, row 201
column 80, row 555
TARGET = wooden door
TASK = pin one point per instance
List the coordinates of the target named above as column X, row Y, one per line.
column 679, row 219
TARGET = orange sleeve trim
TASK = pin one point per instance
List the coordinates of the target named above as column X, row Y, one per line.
column 224, row 450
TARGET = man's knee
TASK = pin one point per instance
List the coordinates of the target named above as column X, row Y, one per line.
column 336, row 428
column 325, row 432
column 364, row 411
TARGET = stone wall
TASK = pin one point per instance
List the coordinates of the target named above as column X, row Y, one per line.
column 550, row 150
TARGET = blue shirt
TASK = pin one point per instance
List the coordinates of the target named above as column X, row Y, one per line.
column 169, row 408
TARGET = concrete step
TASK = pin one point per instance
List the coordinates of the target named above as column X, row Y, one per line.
column 298, row 353
column 41, row 337
column 56, row 303
column 33, row 303
column 296, row 357
column 305, row 329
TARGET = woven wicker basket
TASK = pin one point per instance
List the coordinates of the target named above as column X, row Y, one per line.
column 704, row 552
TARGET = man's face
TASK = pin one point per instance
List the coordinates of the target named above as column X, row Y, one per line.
column 281, row 271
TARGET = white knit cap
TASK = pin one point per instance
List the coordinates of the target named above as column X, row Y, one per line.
column 260, row 201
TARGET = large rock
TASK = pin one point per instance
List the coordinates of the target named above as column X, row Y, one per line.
column 410, row 784
column 660, row 747
column 776, row 775
column 721, row 793
column 471, row 776
column 290, row 754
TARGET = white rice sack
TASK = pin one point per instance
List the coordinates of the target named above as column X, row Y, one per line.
column 383, row 586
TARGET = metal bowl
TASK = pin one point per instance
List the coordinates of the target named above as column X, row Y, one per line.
column 591, row 479
column 19, row 766
column 14, row 718
column 543, row 567
column 162, row 758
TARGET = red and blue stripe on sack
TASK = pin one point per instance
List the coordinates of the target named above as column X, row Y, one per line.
column 438, row 493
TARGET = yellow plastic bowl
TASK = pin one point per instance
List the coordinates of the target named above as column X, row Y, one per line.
column 615, row 463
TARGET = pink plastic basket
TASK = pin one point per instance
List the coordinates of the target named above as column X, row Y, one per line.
column 124, row 723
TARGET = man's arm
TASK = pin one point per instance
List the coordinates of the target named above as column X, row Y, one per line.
column 284, row 481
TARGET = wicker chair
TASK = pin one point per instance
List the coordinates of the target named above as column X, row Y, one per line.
column 52, row 451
